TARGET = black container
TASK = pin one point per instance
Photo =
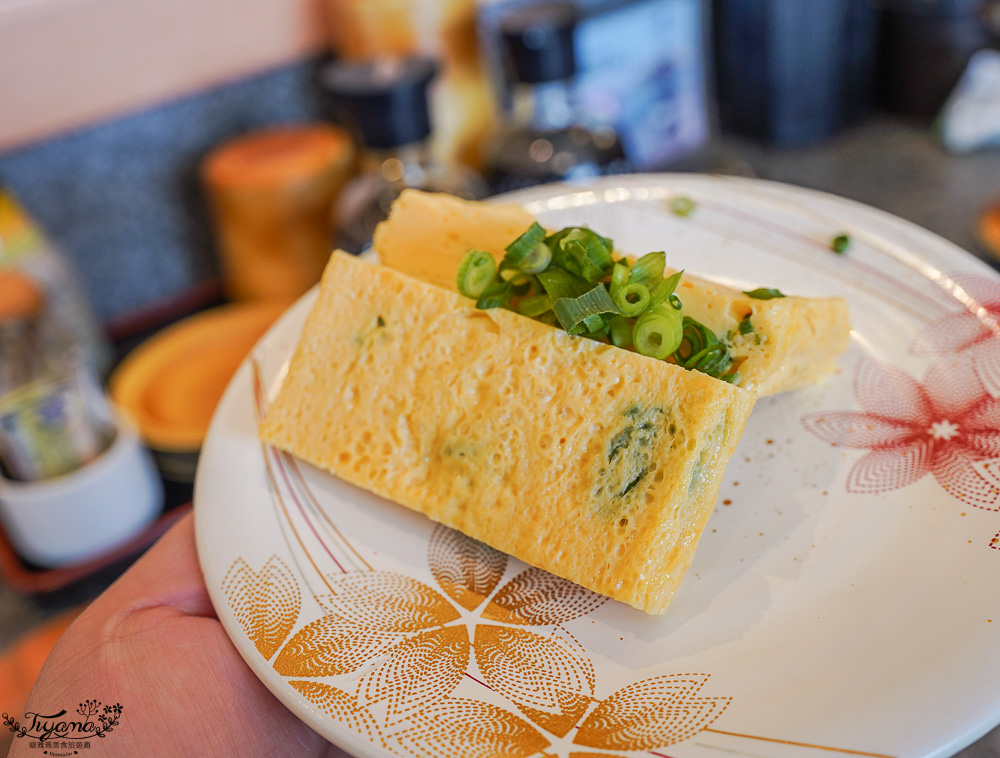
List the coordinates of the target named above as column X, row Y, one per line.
column 794, row 72
column 924, row 47
column 383, row 102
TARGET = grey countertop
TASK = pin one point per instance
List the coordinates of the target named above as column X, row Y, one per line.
column 897, row 167
column 894, row 166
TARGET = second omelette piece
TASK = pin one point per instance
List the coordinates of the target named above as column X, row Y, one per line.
column 594, row 463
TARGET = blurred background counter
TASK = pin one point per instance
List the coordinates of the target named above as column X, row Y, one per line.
column 109, row 167
column 890, row 163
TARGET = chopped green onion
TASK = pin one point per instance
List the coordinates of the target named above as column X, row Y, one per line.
column 548, row 318
column 619, row 277
column 589, row 268
column 558, row 283
column 713, row 360
column 598, row 248
column 682, row 206
column 571, row 255
column 658, row 333
column 573, row 311
column 632, row 299
column 522, row 284
column 840, row 243
column 476, row 272
column 535, row 305
column 603, row 327
column 696, row 338
column 507, row 270
column 701, row 350
column 764, row 293
column 570, row 279
column 537, row 259
column 648, row 270
column 523, row 245
column 497, row 295
column 664, row 292
column 621, row 332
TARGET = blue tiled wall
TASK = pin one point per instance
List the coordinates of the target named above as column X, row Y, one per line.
column 123, row 199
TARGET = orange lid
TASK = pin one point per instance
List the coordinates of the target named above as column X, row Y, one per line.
column 19, row 295
column 989, row 230
column 276, row 158
column 171, row 383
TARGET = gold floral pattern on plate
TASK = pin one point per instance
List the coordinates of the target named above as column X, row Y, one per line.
column 399, row 649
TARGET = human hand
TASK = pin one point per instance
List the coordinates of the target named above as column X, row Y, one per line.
column 153, row 644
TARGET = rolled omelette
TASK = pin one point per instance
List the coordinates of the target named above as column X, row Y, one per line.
column 594, row 463
column 794, row 341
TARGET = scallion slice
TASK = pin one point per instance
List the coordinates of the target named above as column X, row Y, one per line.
column 602, row 327
column 497, row 295
column 595, row 323
column 840, row 243
column 632, row 299
column 664, row 292
column 701, row 350
column 619, row 277
column 648, row 270
column 598, row 248
column 571, row 255
column 523, row 245
column 537, row 259
column 764, row 293
column 682, row 206
column 535, row 305
column 523, row 284
column 476, row 272
column 558, row 283
column 573, row 311
column 713, row 360
column 696, row 337
column 658, row 333
column 746, row 327
column 621, row 332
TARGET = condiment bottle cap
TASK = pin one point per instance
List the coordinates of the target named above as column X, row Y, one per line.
column 277, row 158
column 538, row 41
column 20, row 297
column 989, row 230
column 384, row 100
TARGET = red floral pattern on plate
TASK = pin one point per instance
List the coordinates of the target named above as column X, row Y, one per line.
column 947, row 426
column 974, row 331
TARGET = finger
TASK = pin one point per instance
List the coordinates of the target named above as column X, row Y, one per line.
column 167, row 575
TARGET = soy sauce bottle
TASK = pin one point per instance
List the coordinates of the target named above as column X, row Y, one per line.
column 385, row 103
column 545, row 138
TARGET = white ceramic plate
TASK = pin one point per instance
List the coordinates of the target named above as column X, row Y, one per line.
column 844, row 597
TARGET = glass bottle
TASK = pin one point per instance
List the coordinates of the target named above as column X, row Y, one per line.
column 67, row 315
column 545, row 138
column 53, row 414
column 385, row 102
column 462, row 103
